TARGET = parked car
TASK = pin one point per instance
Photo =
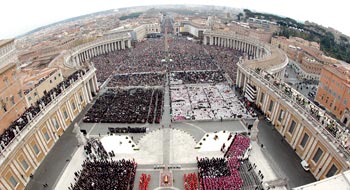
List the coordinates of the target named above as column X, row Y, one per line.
column 305, row 165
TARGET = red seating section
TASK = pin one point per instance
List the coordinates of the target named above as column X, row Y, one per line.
column 190, row 181
column 144, row 181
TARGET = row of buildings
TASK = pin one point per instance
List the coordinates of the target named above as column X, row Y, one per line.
column 309, row 61
column 22, row 154
column 305, row 126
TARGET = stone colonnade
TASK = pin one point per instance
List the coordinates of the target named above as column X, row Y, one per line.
column 94, row 49
column 252, row 50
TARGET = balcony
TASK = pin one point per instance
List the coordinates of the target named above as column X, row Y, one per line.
column 334, row 134
column 33, row 115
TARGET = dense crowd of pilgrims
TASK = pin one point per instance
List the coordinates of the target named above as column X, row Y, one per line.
column 230, row 172
column 30, row 113
column 137, row 105
column 127, row 130
column 206, row 102
column 100, row 172
column 94, row 150
column 137, row 79
column 134, row 67
column 195, row 77
column 150, row 56
column 145, row 65
column 105, row 175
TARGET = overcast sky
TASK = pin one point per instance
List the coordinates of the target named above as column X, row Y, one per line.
column 20, row 16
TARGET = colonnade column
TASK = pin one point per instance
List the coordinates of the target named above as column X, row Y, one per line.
column 129, row 44
column 122, row 44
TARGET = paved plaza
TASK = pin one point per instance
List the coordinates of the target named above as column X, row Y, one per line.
column 173, row 147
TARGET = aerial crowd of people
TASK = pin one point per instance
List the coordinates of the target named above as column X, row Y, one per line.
column 137, row 79
column 105, row 174
column 195, row 77
column 233, row 171
column 150, row 57
column 138, row 105
column 31, row 112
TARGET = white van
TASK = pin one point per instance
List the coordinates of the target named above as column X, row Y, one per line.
column 305, row 165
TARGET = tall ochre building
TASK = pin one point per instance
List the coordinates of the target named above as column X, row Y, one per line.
column 334, row 91
column 12, row 102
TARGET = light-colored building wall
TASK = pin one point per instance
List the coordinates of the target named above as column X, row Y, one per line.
column 293, row 124
column 306, row 55
column 39, row 90
column 23, row 156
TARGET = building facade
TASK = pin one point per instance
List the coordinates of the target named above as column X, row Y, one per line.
column 313, row 134
column 25, row 153
column 333, row 91
column 11, row 95
column 43, row 86
column 304, row 126
column 306, row 57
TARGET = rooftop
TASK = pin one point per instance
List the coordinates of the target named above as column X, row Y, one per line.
column 6, row 41
column 341, row 181
column 342, row 71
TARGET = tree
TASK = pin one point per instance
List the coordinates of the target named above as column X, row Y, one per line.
column 239, row 16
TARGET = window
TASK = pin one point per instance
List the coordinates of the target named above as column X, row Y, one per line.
column 20, row 93
column 35, row 93
column 13, row 181
column 262, row 97
column 36, row 149
column 14, row 76
column 81, row 98
column 292, row 127
column 55, row 123
column 73, row 105
column 345, row 102
column 281, row 116
column 6, row 81
column 24, row 165
column 4, row 107
column 304, row 141
column 12, row 100
column 271, row 106
column 65, row 114
column 47, row 136
column 332, row 171
column 318, row 155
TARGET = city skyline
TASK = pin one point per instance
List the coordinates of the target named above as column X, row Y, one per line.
column 41, row 13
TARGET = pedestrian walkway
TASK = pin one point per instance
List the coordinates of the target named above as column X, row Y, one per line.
column 263, row 164
column 73, row 166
